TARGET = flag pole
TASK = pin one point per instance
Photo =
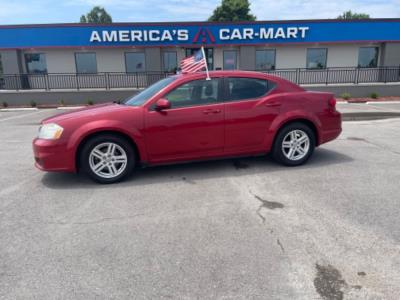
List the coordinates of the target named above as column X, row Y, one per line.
column 204, row 55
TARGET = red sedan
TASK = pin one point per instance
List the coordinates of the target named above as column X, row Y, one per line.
column 186, row 118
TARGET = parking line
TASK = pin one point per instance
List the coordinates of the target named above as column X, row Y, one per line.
column 23, row 115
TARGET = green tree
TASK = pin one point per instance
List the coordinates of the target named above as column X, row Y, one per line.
column 232, row 10
column 96, row 15
column 349, row 15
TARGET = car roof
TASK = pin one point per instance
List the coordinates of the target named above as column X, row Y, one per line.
column 235, row 73
column 239, row 73
column 225, row 73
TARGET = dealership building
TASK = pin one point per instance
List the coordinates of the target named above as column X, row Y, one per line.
column 155, row 48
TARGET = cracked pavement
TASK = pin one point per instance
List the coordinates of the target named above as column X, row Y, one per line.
column 243, row 228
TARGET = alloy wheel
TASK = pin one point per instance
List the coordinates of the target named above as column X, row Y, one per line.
column 295, row 145
column 108, row 160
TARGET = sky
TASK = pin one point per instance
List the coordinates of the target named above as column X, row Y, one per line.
column 69, row 11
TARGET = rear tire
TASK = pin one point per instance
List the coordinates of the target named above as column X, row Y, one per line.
column 294, row 144
column 107, row 158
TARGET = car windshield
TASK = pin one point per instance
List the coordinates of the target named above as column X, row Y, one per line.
column 146, row 94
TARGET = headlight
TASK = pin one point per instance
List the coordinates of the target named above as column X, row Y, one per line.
column 50, row 131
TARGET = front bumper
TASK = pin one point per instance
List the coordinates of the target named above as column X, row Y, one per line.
column 52, row 156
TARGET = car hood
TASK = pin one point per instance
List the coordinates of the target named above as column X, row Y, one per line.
column 89, row 111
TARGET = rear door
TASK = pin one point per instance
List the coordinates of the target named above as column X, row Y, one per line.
column 192, row 128
column 248, row 113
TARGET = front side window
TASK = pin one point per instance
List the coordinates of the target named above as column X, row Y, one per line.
column 247, row 88
column 316, row 58
column 35, row 63
column 135, row 62
column 86, row 63
column 265, row 59
column 146, row 94
column 368, row 57
column 230, row 60
column 197, row 92
column 170, row 62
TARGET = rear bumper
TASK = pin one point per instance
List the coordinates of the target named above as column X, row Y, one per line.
column 330, row 135
column 52, row 156
column 332, row 127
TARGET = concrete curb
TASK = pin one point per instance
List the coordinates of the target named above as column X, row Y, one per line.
column 385, row 102
column 69, row 107
column 368, row 102
column 365, row 116
column 19, row 109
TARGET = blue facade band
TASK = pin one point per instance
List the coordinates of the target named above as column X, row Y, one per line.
column 189, row 34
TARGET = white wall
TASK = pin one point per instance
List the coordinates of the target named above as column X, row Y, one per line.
column 287, row 56
column 342, row 55
column 58, row 60
column 290, row 57
column 392, row 55
column 338, row 55
column 63, row 60
column 112, row 60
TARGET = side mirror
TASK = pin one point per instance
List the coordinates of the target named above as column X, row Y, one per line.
column 162, row 104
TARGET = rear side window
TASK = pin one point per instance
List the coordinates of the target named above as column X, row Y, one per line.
column 246, row 88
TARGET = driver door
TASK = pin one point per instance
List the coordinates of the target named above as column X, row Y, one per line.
column 192, row 128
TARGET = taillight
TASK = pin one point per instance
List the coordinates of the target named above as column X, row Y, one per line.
column 332, row 103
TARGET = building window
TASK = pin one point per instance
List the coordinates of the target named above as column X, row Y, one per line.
column 135, row 62
column 316, row 58
column 368, row 57
column 35, row 63
column 86, row 63
column 230, row 60
column 265, row 59
column 170, row 62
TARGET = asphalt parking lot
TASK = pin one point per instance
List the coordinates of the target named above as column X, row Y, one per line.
column 228, row 229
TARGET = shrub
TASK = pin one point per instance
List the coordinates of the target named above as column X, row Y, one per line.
column 89, row 102
column 5, row 104
column 33, row 103
column 374, row 95
column 346, row 96
column 62, row 102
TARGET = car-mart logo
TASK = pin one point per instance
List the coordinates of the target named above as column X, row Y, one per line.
column 203, row 35
column 263, row 33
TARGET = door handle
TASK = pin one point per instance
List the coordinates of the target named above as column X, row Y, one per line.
column 272, row 104
column 211, row 111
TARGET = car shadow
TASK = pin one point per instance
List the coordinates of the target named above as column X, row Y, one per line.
column 196, row 171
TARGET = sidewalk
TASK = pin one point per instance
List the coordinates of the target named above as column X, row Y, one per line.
column 369, row 110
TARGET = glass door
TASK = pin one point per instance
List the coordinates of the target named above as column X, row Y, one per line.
column 1, row 73
column 209, row 52
column 230, row 60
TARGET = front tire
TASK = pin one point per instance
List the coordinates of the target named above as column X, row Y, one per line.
column 294, row 144
column 107, row 158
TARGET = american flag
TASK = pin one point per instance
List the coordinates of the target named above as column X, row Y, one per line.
column 194, row 63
